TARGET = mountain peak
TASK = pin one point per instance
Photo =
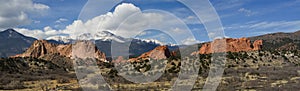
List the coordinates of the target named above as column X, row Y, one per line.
column 11, row 33
column 10, row 29
column 108, row 36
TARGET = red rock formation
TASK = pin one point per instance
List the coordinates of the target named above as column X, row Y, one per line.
column 39, row 48
column 42, row 47
column 257, row 45
column 86, row 49
column 160, row 52
column 230, row 45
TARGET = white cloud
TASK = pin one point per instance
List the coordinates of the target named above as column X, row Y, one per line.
column 267, row 25
column 275, row 24
column 39, row 34
column 15, row 12
column 106, row 22
column 247, row 12
column 60, row 23
column 190, row 41
column 111, row 21
column 228, row 4
column 40, row 6
column 192, row 20
column 61, row 20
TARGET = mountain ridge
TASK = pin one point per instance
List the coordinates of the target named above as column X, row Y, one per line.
column 279, row 40
column 13, row 42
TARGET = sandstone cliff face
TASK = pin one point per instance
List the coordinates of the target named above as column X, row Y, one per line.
column 41, row 48
column 87, row 49
column 230, row 45
column 257, row 44
column 160, row 52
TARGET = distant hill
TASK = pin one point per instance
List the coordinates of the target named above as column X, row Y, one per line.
column 12, row 43
column 280, row 41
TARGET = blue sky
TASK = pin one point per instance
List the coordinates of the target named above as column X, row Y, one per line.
column 240, row 18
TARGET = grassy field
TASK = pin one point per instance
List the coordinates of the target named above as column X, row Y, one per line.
column 248, row 71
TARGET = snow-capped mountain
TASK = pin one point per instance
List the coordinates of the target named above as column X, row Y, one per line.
column 158, row 42
column 85, row 36
column 103, row 36
column 63, row 39
column 154, row 41
column 108, row 36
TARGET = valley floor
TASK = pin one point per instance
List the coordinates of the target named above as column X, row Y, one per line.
column 257, row 71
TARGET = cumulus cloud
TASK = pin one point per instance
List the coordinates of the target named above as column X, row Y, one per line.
column 111, row 21
column 107, row 22
column 15, row 12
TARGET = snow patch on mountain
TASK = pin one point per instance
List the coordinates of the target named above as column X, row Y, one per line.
column 64, row 39
column 104, row 36
column 157, row 42
column 108, row 36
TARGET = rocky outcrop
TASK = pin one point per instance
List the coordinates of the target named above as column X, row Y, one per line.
column 41, row 48
column 158, row 53
column 87, row 49
column 230, row 45
column 257, row 44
